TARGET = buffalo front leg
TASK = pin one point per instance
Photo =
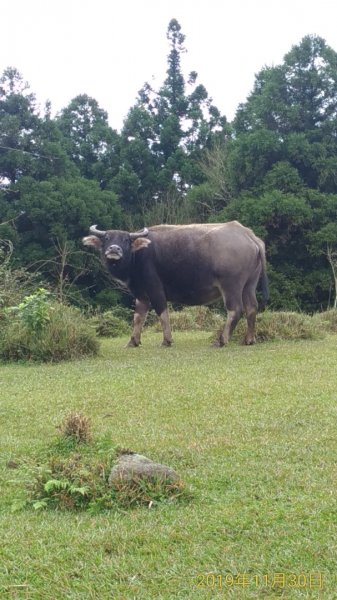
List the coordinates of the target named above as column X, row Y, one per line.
column 158, row 302
column 140, row 314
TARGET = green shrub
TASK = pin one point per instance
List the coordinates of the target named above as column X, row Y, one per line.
column 108, row 324
column 106, row 298
column 65, row 335
column 123, row 312
column 34, row 311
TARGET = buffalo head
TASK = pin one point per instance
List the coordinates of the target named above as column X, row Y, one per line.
column 116, row 247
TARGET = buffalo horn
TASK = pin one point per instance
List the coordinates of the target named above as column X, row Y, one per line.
column 138, row 234
column 93, row 229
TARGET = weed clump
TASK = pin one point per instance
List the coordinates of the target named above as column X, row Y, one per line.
column 83, row 482
column 146, row 492
column 71, row 483
column 76, row 427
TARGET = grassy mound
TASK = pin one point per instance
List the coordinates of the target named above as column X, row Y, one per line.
column 65, row 335
column 326, row 321
column 282, row 326
column 270, row 325
column 76, row 476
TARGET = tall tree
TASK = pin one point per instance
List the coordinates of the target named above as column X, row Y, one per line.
column 45, row 204
column 90, row 142
column 18, row 122
column 50, row 143
column 282, row 170
column 290, row 117
column 165, row 133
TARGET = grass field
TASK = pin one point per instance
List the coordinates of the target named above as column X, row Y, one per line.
column 251, row 431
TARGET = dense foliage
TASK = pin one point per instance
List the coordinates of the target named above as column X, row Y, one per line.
column 177, row 159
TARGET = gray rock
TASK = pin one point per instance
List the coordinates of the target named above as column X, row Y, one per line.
column 131, row 467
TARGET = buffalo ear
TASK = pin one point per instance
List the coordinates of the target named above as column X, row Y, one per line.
column 92, row 240
column 139, row 244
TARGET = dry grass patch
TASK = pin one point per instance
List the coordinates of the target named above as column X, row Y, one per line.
column 326, row 321
column 77, row 427
column 284, row 326
column 270, row 325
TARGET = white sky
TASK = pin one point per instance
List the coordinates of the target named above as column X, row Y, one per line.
column 109, row 48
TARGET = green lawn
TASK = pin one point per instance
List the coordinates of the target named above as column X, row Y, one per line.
column 251, row 431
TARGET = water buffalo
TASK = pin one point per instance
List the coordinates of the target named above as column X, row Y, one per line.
column 187, row 264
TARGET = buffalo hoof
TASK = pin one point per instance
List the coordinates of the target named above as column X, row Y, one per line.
column 167, row 343
column 218, row 344
column 250, row 341
column 132, row 344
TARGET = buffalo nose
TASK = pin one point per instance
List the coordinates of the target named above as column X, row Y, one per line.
column 115, row 252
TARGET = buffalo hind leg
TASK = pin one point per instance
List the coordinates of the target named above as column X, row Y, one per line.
column 140, row 314
column 250, row 307
column 234, row 313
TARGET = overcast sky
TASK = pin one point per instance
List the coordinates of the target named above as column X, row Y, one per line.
column 109, row 48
